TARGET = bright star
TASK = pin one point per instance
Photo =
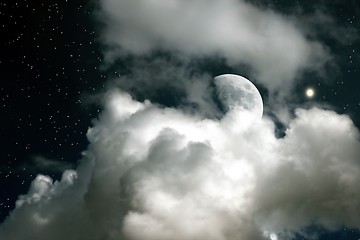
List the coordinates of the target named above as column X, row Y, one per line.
column 309, row 92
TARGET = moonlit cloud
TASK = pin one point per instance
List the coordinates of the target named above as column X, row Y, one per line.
column 269, row 43
column 160, row 173
column 170, row 82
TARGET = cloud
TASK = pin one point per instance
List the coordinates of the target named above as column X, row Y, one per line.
column 40, row 163
column 272, row 45
column 171, row 82
column 161, row 173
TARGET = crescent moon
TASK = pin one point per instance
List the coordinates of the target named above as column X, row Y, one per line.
column 238, row 93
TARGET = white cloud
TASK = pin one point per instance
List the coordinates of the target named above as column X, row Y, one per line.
column 269, row 43
column 160, row 173
column 316, row 180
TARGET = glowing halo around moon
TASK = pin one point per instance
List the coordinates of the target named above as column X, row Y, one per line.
column 238, row 93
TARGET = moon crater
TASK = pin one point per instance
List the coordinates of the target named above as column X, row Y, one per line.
column 238, row 93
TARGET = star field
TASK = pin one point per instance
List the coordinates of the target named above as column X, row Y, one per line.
column 48, row 63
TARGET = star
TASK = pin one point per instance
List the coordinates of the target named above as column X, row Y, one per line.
column 309, row 92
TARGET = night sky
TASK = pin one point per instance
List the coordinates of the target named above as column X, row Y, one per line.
column 52, row 72
column 49, row 61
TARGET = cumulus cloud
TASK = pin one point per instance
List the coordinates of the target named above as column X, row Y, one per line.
column 270, row 44
column 160, row 173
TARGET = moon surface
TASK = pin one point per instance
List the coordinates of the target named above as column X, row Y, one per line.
column 236, row 92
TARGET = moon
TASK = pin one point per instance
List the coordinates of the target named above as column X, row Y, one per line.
column 238, row 93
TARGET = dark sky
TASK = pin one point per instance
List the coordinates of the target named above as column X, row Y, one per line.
column 50, row 61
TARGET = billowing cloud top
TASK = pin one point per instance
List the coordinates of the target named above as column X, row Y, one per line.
column 159, row 173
